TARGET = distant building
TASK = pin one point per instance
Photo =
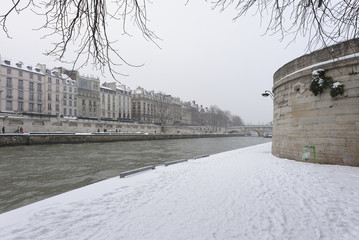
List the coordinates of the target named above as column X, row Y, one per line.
column 159, row 108
column 22, row 88
column 144, row 106
column 88, row 102
column 66, row 93
column 115, row 102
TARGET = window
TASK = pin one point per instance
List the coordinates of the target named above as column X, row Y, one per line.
column 21, row 84
column 57, row 89
column 8, row 105
column 49, row 96
column 31, row 107
column 20, row 73
column 64, row 88
column 57, row 107
column 49, row 80
column 39, row 77
column 31, row 76
column 9, row 82
column 20, row 106
column 70, row 103
column 20, row 95
column 75, row 112
column 70, row 112
column 70, row 89
column 31, row 96
column 39, row 87
column 57, row 82
column 64, row 95
column 9, row 93
column 64, row 102
column 8, row 71
column 49, row 88
column 57, row 97
column 39, row 97
column 70, row 96
column 49, row 106
column 31, row 86
column 39, row 108
column 65, row 111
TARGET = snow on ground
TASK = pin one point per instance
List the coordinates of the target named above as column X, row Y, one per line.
column 241, row 194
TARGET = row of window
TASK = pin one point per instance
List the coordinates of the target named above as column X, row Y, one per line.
column 39, row 86
column 20, row 74
column 20, row 106
column 31, row 76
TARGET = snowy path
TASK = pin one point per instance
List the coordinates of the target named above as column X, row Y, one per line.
column 241, row 194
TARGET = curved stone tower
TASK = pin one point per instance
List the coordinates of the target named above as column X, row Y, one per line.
column 330, row 124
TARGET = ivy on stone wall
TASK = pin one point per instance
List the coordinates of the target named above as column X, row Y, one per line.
column 336, row 89
column 320, row 82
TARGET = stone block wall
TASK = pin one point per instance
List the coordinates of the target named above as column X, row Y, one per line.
column 329, row 124
column 63, row 125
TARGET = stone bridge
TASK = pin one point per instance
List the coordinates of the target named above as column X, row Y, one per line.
column 260, row 129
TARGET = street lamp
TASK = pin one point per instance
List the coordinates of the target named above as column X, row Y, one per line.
column 268, row 93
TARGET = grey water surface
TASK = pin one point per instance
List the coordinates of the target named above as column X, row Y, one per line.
column 32, row 173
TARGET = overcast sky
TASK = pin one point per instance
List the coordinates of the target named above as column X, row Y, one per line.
column 204, row 56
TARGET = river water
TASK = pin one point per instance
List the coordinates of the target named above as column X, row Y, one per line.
column 32, row 173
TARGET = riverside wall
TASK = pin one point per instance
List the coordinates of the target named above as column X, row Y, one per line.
column 51, row 138
column 302, row 119
column 68, row 125
column 50, row 130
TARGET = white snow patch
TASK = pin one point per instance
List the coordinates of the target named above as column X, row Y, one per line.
column 337, row 84
column 241, row 194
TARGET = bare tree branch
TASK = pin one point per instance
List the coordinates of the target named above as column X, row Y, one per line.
column 323, row 22
column 82, row 24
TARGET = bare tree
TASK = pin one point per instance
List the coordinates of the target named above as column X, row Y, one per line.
column 236, row 121
column 83, row 23
column 324, row 22
column 162, row 105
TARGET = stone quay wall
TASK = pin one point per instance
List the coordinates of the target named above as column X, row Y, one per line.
column 302, row 119
column 68, row 125
column 36, row 139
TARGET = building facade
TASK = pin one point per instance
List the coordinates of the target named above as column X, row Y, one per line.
column 144, row 105
column 22, row 88
column 88, row 98
column 115, row 102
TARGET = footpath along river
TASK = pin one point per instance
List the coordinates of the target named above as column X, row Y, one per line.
column 32, row 173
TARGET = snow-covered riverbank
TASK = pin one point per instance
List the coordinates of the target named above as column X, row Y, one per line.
column 241, row 194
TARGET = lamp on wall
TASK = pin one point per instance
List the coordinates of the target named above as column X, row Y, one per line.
column 268, row 93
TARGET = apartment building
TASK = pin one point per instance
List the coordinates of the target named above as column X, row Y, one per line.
column 109, row 107
column 22, row 88
column 160, row 108
column 116, row 101
column 144, row 105
column 88, row 97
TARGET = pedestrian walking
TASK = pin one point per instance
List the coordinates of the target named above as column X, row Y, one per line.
column 17, row 129
column 21, row 130
column 3, row 130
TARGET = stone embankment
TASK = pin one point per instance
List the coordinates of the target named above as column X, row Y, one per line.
column 54, row 138
column 330, row 124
